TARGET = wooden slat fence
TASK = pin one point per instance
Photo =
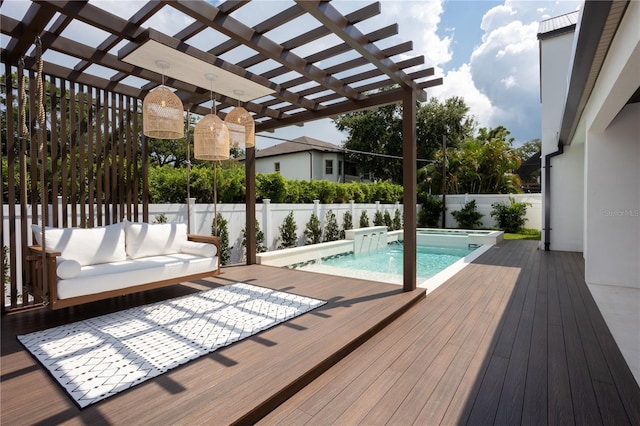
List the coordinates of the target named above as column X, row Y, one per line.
column 94, row 146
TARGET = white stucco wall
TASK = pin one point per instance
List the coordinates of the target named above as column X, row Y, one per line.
column 567, row 170
column 292, row 166
column 567, row 199
column 613, row 202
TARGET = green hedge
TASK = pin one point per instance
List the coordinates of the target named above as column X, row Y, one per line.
column 169, row 185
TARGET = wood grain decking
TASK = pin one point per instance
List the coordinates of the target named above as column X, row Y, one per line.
column 239, row 383
column 514, row 338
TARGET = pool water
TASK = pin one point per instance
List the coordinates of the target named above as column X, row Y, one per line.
column 429, row 260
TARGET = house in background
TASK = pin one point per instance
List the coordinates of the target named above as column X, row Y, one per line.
column 590, row 90
column 306, row 158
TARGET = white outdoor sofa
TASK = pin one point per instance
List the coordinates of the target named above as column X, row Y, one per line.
column 85, row 265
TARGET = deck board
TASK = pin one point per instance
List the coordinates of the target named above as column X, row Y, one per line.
column 514, row 338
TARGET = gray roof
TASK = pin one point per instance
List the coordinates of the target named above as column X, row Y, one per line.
column 301, row 144
column 558, row 25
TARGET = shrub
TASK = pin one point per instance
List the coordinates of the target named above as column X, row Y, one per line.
column 260, row 246
column 161, row 218
column 364, row 219
column 312, row 230
column 378, row 218
column 222, row 232
column 347, row 223
column 430, row 212
column 288, row 237
column 510, row 217
column 387, row 221
column 5, row 264
column 331, row 230
column 468, row 217
column 397, row 220
column 272, row 186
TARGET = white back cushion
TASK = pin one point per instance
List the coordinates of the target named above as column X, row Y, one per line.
column 145, row 239
column 104, row 244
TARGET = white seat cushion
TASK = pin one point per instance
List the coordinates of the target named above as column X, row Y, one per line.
column 119, row 275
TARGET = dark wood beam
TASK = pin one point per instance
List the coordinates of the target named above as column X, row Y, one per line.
column 343, row 67
column 151, row 34
column 35, row 20
column 409, row 183
column 373, row 100
column 140, row 17
column 326, row 14
column 377, row 85
column 203, row 11
column 332, row 51
column 250, row 183
column 314, row 34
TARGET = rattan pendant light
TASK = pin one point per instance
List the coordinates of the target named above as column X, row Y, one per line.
column 211, row 136
column 242, row 129
column 162, row 112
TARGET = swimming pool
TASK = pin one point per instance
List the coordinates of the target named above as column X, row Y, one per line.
column 389, row 260
column 439, row 255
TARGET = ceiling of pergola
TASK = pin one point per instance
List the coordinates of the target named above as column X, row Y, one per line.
column 329, row 68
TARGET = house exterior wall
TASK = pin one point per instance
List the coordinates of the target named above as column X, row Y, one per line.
column 610, row 129
column 613, row 202
column 306, row 165
column 567, row 170
column 292, row 166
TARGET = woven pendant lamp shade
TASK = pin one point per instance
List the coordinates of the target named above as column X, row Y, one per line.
column 211, row 139
column 162, row 114
column 242, row 129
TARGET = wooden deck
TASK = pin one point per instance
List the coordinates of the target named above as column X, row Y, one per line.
column 239, row 383
column 513, row 338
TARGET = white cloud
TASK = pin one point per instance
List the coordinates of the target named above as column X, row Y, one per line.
column 460, row 83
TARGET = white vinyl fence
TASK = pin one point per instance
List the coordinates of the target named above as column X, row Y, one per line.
column 270, row 217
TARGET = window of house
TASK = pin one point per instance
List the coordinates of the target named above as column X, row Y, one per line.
column 277, row 166
column 339, row 167
column 328, row 167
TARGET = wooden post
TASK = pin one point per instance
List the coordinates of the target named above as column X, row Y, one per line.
column 250, row 176
column 409, row 177
column 444, row 180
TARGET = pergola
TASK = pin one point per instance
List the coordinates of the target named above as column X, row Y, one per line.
column 329, row 69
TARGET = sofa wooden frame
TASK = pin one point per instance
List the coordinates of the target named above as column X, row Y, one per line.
column 44, row 287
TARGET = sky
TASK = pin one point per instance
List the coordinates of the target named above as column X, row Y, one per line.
column 485, row 50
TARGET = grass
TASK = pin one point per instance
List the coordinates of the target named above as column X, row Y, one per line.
column 524, row 234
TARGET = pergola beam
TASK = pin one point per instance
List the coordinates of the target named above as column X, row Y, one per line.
column 326, row 14
column 205, row 12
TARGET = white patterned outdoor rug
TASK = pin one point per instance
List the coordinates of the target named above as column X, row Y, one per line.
column 96, row 358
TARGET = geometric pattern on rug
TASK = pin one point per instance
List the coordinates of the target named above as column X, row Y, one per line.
column 96, row 358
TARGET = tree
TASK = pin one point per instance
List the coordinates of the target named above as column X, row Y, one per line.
column 484, row 164
column 347, row 223
column 527, row 149
column 288, row 237
column 468, row 217
column 222, row 231
column 313, row 230
column 381, row 132
column 331, row 229
column 364, row 219
column 260, row 247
